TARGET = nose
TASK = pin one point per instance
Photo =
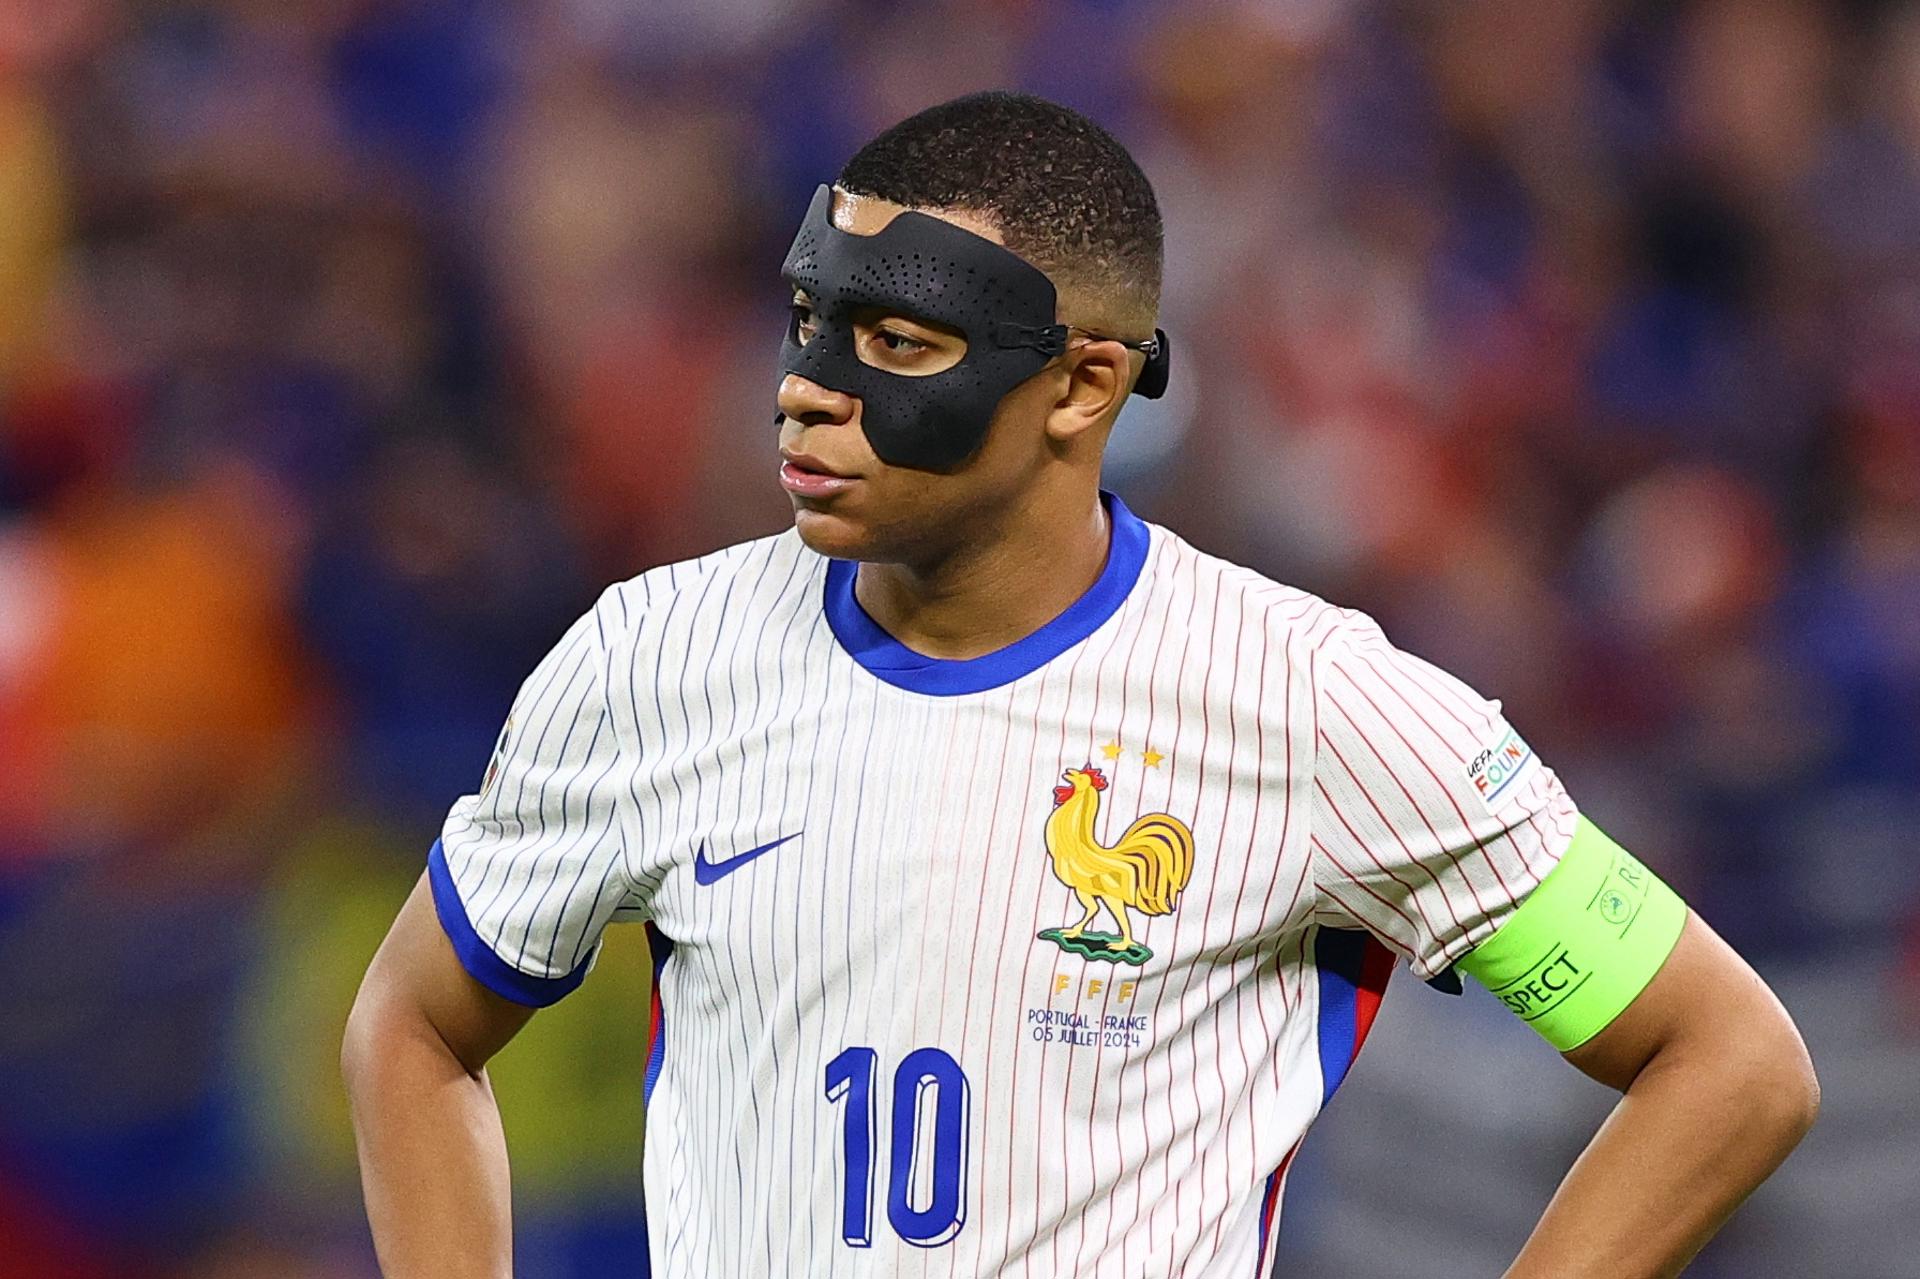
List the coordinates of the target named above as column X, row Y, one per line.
column 811, row 404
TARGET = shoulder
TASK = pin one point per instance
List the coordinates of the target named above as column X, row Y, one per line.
column 698, row 621
column 741, row 581
column 1226, row 597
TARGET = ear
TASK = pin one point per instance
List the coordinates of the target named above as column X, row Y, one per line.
column 1098, row 376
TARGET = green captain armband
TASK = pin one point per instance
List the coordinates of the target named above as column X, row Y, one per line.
column 1584, row 945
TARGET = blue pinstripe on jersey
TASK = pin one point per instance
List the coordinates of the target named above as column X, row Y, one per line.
column 498, row 976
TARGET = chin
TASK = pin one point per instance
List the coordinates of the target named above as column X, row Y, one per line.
column 834, row 536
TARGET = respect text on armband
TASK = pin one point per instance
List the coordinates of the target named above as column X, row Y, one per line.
column 1545, row 986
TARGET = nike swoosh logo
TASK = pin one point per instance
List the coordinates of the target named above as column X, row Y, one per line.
column 706, row 872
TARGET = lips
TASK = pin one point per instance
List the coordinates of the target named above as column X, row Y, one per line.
column 804, row 475
column 808, row 462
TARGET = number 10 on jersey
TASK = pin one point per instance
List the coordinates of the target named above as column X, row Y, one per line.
column 926, row 1171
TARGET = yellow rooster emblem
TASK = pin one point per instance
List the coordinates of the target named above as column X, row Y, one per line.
column 1146, row 870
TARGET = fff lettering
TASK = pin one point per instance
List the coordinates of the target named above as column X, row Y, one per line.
column 1544, row 985
column 1092, row 987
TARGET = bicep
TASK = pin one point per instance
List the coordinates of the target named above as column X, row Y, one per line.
column 417, row 980
column 1705, row 994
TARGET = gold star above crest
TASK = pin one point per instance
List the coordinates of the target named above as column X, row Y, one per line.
column 1151, row 758
column 1111, row 750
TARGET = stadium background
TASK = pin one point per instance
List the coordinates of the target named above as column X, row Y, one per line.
column 346, row 347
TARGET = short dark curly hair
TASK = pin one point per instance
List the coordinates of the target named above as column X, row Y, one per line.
column 1061, row 190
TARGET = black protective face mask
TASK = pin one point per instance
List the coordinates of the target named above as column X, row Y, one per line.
column 927, row 269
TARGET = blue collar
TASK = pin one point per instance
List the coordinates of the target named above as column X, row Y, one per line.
column 888, row 659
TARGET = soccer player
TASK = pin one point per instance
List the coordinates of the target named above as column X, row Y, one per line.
column 1020, row 879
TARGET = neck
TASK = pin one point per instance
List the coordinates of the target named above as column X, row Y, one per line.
column 991, row 591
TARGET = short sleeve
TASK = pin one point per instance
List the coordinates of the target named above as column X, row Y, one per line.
column 529, row 870
column 1432, row 817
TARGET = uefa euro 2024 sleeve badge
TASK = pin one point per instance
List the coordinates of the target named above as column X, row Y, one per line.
column 1144, row 870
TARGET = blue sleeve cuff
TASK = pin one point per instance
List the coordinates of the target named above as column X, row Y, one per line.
column 487, row 968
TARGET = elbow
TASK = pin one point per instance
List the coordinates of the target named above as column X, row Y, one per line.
column 1754, row 1073
column 360, row 1047
column 1802, row 1087
column 1782, row 1089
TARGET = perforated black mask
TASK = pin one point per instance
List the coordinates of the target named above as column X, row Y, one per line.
column 931, row 270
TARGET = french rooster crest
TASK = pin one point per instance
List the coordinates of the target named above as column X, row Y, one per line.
column 1145, row 870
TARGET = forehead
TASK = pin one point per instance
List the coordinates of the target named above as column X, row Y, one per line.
column 868, row 214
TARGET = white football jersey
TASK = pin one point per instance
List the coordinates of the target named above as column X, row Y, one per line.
column 1037, row 964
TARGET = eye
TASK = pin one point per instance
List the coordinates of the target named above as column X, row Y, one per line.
column 803, row 323
column 899, row 343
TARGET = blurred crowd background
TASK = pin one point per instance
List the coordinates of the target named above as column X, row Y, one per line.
column 347, row 347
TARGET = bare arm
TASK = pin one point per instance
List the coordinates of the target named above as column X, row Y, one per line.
column 433, row 1158
column 1718, row 1090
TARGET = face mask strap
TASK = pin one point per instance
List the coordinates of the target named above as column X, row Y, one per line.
column 1052, row 341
